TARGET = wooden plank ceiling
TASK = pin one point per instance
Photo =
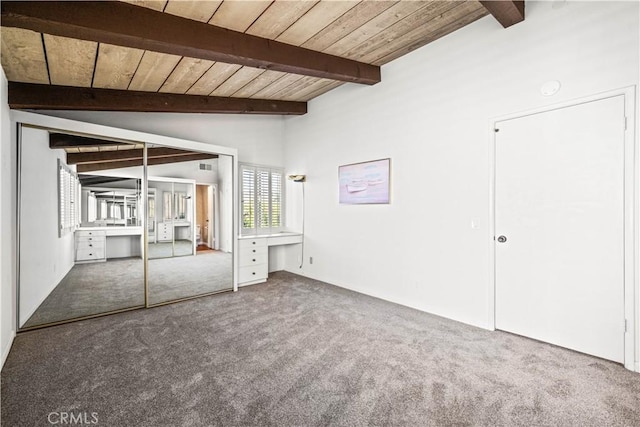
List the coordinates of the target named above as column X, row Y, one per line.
column 368, row 32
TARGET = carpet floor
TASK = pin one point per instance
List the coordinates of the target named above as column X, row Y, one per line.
column 170, row 249
column 298, row 352
column 117, row 284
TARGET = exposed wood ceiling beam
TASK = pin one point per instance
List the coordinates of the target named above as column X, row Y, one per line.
column 119, row 155
column 124, row 24
column 506, row 12
column 50, row 97
column 92, row 167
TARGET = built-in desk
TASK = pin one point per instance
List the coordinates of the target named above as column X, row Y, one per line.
column 94, row 244
column 169, row 230
column 253, row 255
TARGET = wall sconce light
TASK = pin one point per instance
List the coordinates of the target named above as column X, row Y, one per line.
column 298, row 178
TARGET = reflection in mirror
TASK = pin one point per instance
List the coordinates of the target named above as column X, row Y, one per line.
column 175, row 224
column 190, row 246
column 80, row 228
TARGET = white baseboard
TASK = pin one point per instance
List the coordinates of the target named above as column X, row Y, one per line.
column 6, row 349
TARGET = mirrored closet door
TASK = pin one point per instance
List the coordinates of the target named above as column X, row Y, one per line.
column 80, row 227
column 189, row 243
column 86, row 206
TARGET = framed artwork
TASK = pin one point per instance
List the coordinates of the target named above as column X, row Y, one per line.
column 365, row 183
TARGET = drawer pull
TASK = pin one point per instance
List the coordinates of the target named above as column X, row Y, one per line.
column 254, row 260
column 90, row 245
column 254, row 251
column 253, row 242
column 90, row 254
column 254, row 273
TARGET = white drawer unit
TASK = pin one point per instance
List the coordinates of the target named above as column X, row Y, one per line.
column 90, row 246
column 165, row 232
column 253, row 261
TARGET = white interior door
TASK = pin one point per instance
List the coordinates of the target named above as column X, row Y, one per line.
column 559, row 203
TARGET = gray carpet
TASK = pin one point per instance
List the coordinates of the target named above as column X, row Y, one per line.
column 186, row 276
column 297, row 352
column 170, row 249
column 117, row 284
column 93, row 288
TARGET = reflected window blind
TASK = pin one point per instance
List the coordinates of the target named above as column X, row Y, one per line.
column 261, row 197
column 68, row 196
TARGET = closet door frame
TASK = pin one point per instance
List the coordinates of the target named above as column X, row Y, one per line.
column 50, row 123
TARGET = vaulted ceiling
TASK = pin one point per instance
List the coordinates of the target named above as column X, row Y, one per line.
column 234, row 56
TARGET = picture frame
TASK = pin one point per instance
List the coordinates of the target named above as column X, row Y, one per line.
column 365, row 182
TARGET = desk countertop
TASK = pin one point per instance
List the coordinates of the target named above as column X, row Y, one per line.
column 264, row 236
column 115, row 231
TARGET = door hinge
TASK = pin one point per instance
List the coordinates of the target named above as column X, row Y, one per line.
column 625, row 325
column 625, row 123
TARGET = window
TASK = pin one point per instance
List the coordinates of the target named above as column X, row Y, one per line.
column 261, row 204
column 68, row 191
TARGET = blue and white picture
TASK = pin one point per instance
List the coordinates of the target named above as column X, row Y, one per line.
column 365, row 183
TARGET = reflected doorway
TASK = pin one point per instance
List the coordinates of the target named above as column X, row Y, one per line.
column 205, row 229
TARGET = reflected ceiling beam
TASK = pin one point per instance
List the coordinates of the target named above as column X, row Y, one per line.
column 92, row 167
column 119, row 155
column 89, row 180
column 51, row 97
column 506, row 12
column 124, row 24
column 63, row 140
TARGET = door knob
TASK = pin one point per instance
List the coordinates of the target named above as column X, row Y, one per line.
column 502, row 239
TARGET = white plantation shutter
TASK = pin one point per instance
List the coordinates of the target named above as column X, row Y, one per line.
column 276, row 199
column 68, row 196
column 247, row 203
column 261, row 198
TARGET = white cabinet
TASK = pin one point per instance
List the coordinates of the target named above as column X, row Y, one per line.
column 253, row 261
column 90, row 246
column 165, row 232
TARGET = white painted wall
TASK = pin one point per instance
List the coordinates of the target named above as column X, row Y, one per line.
column 431, row 116
column 259, row 139
column 45, row 258
column 7, row 226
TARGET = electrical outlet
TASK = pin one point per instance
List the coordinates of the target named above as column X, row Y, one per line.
column 310, row 260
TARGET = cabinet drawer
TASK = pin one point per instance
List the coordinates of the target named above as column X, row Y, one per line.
column 255, row 259
column 252, row 272
column 87, row 254
column 83, row 238
column 252, row 252
column 90, row 245
column 253, row 243
column 89, row 233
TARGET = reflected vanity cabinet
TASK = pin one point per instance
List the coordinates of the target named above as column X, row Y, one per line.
column 90, row 246
column 165, row 232
column 253, row 261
